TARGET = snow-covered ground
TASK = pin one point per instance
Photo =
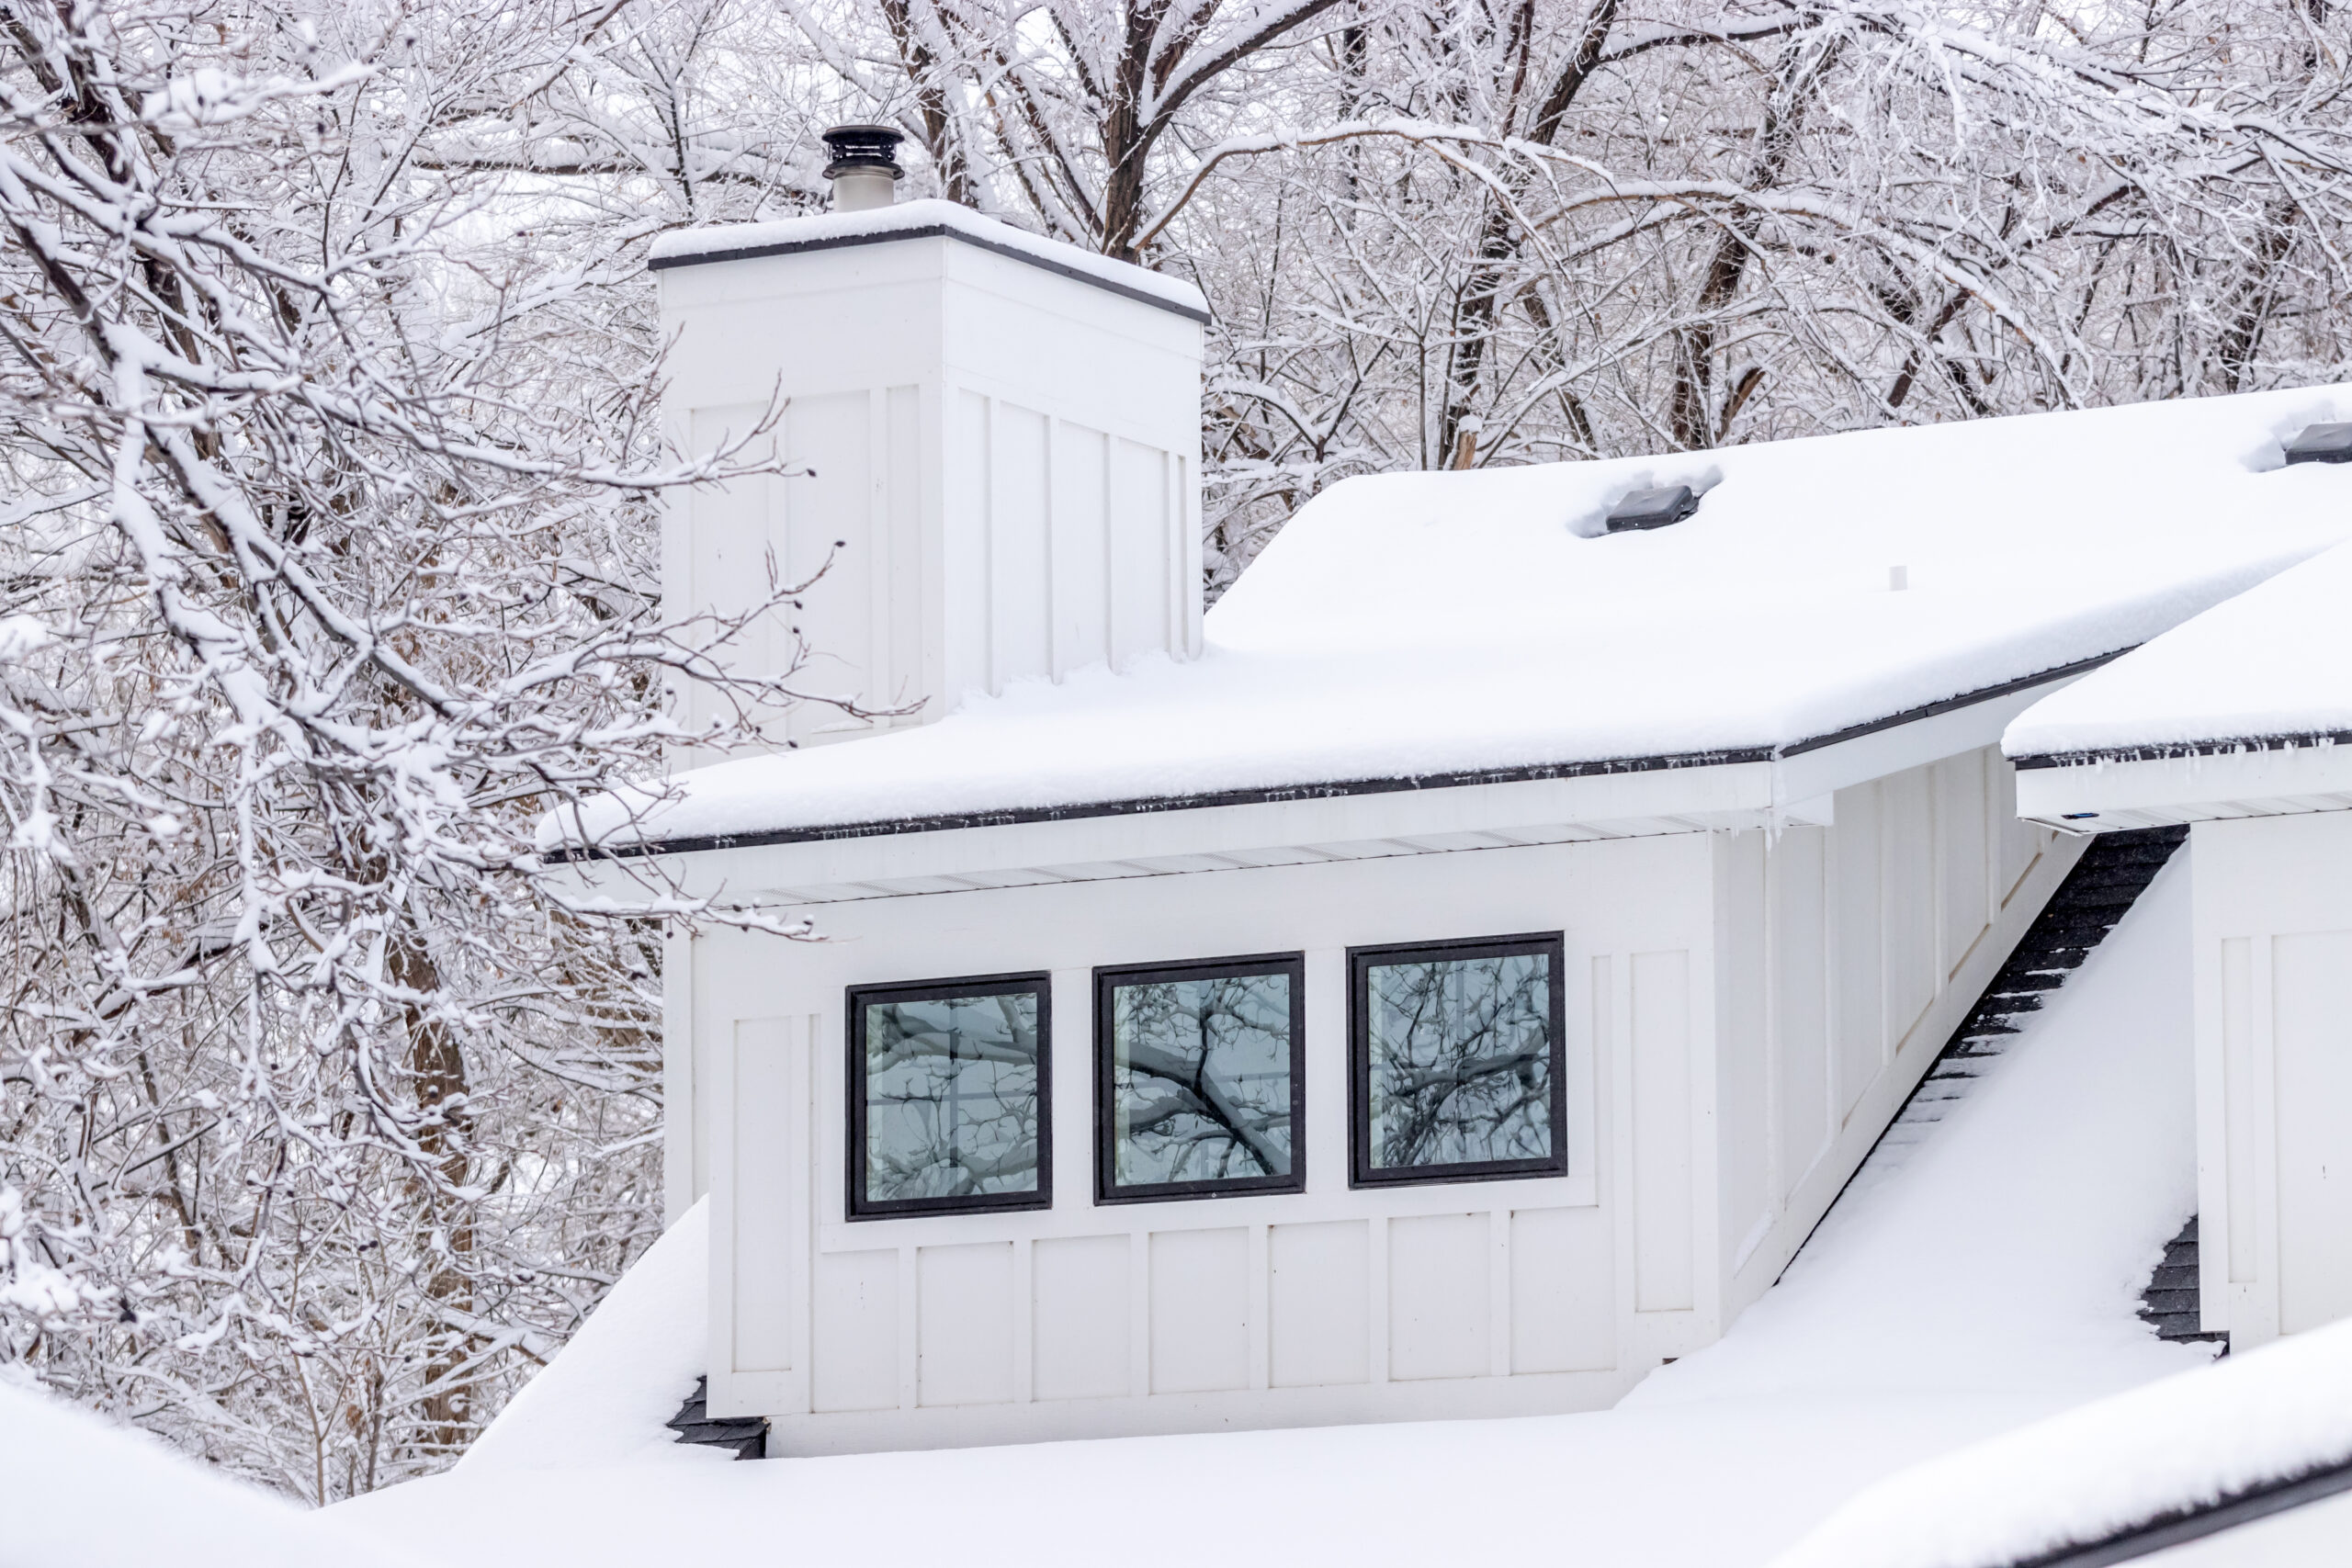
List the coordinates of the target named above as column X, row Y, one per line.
column 1989, row 1282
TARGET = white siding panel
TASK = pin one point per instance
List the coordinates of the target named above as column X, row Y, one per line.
column 1079, row 1318
column 964, row 566
column 1140, row 550
column 1801, row 1000
column 827, row 550
column 1081, row 563
column 1019, row 577
column 1200, row 1311
column 1663, row 1176
column 1563, row 1291
column 2239, row 1102
column 1319, row 1306
column 1963, row 826
column 1912, row 971
column 857, row 1331
column 1860, row 1021
column 730, row 548
column 2311, row 1012
column 902, row 680
column 1743, row 1070
column 764, row 1145
column 965, row 1324
column 1440, row 1316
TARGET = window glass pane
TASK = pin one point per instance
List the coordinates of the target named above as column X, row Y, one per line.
column 951, row 1097
column 1460, row 1060
column 1200, row 1080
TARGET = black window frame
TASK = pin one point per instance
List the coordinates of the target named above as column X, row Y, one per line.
column 1362, row 1173
column 1107, row 979
column 857, row 1205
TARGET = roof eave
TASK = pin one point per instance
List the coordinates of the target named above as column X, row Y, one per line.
column 2159, row 785
column 1694, row 791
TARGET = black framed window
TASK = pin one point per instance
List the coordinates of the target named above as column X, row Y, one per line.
column 949, row 1090
column 1200, row 1078
column 1457, row 1061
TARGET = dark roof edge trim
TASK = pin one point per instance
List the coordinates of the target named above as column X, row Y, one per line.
column 2174, row 750
column 2199, row 1521
column 1152, row 805
column 938, row 232
column 1953, row 704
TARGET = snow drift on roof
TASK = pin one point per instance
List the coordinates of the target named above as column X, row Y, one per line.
column 2189, row 1441
column 1417, row 624
column 2276, row 661
column 78, row 1492
column 720, row 241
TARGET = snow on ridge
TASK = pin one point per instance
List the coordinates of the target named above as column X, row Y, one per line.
column 626, row 1371
column 720, row 241
column 1417, row 624
column 2274, row 662
column 2267, row 1417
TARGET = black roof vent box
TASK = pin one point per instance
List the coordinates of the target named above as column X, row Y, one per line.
column 1652, row 508
column 2321, row 444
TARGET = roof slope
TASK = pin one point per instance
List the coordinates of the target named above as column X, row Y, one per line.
column 1432, row 623
column 2273, row 664
column 2105, row 1470
column 77, row 1491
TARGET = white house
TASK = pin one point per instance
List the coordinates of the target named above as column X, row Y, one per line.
column 1451, row 976
column 2235, row 723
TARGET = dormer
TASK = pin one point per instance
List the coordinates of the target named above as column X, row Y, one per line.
column 1001, row 435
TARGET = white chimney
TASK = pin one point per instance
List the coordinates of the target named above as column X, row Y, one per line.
column 1005, row 433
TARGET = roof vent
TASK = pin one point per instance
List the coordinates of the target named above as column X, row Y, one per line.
column 1653, row 508
column 864, row 170
column 2322, row 444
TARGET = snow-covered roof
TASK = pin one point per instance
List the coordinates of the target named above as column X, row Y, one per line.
column 2272, row 666
column 2240, row 1428
column 918, row 220
column 79, row 1491
column 1412, row 629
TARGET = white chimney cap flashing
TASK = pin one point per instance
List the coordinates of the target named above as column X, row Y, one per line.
column 919, row 220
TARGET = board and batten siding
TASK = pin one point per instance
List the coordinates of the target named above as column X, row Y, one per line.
column 1330, row 1304
column 990, row 473
column 1850, row 953
column 1721, row 1088
column 2272, row 929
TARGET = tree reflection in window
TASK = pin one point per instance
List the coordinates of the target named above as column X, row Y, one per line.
column 1459, row 1061
column 1200, row 1089
column 951, row 1097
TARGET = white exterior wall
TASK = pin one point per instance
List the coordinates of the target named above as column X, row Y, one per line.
column 1004, row 471
column 1744, row 1011
column 1851, row 954
column 2273, row 965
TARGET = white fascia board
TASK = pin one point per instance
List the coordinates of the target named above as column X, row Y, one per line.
column 1824, row 770
column 1740, row 793
column 2277, row 781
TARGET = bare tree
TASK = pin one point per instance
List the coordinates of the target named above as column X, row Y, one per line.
column 328, row 575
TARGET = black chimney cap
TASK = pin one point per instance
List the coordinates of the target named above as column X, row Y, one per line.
column 863, row 147
column 1653, row 508
column 2322, row 444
